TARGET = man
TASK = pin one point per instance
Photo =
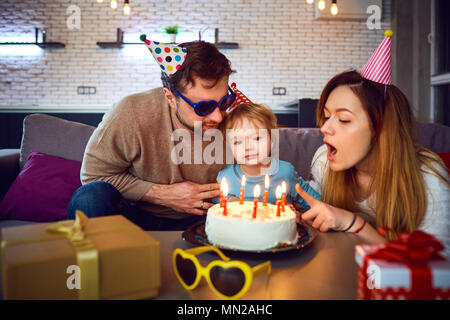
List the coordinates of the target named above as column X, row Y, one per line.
column 127, row 166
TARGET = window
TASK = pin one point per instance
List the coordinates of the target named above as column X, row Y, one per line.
column 442, row 95
column 440, row 62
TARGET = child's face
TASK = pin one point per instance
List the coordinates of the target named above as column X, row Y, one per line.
column 250, row 142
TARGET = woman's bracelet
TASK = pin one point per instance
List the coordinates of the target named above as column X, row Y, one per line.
column 351, row 224
column 360, row 228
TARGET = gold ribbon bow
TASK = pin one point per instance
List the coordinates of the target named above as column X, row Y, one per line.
column 87, row 254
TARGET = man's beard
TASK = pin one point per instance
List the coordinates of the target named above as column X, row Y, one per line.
column 180, row 118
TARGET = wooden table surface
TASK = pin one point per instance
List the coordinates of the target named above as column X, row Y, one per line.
column 326, row 269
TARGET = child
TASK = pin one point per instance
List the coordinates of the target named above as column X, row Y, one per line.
column 247, row 129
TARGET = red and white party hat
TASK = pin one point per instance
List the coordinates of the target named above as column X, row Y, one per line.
column 169, row 57
column 240, row 97
column 378, row 68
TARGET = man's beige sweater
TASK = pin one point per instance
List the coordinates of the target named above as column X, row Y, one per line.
column 131, row 149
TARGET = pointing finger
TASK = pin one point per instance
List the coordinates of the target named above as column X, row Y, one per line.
column 306, row 196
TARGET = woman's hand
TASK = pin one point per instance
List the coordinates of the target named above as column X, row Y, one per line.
column 323, row 216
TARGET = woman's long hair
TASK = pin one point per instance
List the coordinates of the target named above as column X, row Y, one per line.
column 399, row 186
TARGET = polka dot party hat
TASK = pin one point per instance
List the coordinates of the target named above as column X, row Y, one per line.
column 378, row 68
column 169, row 57
column 240, row 97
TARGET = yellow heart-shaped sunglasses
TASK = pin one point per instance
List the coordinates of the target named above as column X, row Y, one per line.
column 228, row 279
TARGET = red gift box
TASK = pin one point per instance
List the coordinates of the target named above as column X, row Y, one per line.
column 409, row 268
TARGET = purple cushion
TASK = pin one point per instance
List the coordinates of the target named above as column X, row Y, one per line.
column 42, row 190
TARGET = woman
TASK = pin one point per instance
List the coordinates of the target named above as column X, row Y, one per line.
column 370, row 165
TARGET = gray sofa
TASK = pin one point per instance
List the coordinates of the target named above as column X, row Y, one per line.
column 67, row 139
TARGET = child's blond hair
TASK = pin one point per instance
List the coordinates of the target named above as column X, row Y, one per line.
column 255, row 113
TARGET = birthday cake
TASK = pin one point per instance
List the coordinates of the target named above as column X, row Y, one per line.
column 239, row 230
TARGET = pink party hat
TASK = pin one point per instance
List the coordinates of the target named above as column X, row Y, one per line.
column 378, row 68
column 169, row 57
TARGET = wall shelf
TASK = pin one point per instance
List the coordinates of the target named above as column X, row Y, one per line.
column 223, row 45
column 114, row 45
column 118, row 44
column 43, row 44
column 227, row 45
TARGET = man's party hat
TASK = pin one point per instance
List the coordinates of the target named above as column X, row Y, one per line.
column 169, row 57
column 378, row 68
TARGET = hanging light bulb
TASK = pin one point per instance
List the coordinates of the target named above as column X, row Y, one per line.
column 334, row 8
column 309, row 1
column 126, row 7
column 113, row 4
column 99, row 1
column 321, row 4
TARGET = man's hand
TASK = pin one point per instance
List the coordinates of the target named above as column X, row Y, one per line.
column 184, row 196
column 233, row 199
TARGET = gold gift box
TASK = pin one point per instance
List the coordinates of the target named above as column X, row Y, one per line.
column 122, row 260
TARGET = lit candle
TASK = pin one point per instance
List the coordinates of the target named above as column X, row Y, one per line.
column 256, row 192
column 241, row 200
column 222, row 182
column 278, row 195
column 283, row 196
column 225, row 193
column 266, row 191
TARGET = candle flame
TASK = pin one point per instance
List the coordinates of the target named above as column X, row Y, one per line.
column 278, row 192
column 283, row 187
column 222, row 183
column 266, row 182
column 243, row 181
column 256, row 191
column 225, row 189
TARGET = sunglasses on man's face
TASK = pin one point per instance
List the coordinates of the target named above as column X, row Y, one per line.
column 228, row 279
column 203, row 108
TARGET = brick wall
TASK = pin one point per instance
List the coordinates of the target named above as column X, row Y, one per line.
column 280, row 45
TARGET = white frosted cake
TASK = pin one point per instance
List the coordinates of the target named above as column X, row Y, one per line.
column 239, row 230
